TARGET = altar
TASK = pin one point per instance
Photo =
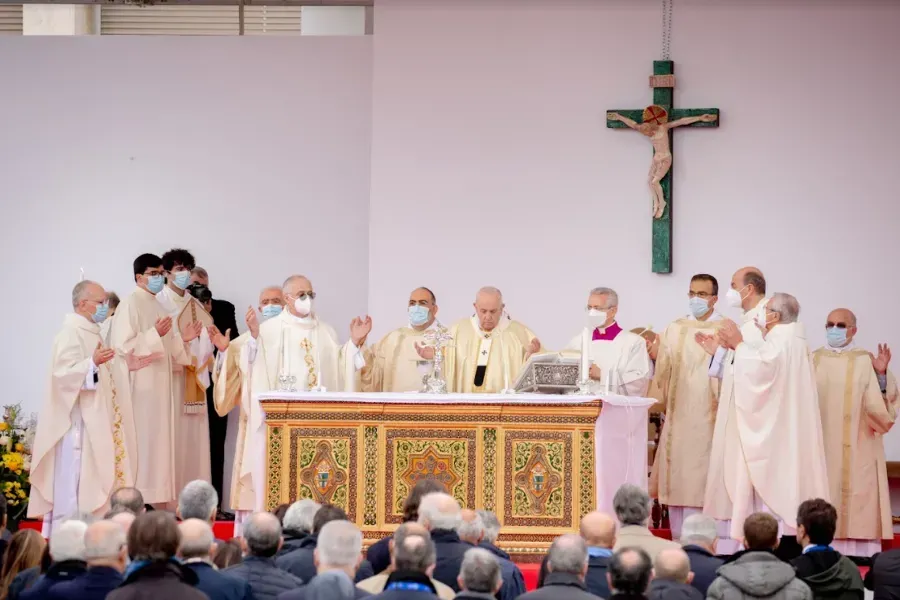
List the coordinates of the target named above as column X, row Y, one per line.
column 540, row 462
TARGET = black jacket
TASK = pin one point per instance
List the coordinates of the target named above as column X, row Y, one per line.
column 450, row 550
column 884, row 576
column 595, row 581
column 93, row 585
column 23, row 581
column 266, row 580
column 60, row 572
column 168, row 580
column 494, row 550
column 661, row 589
column 300, row 562
column 379, row 554
column 292, row 541
column 560, row 586
column 704, row 565
column 224, row 317
column 219, row 585
column 830, row 575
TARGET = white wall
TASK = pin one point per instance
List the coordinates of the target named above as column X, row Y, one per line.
column 251, row 152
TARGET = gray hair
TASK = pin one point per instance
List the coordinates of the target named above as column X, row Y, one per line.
column 632, row 505
column 79, row 292
column 698, row 528
column 330, row 585
column 103, row 539
column 480, row 571
column 262, row 533
column 196, row 538
column 200, row 272
column 491, row 525
column 292, row 280
column 67, row 541
column 198, row 500
column 440, row 511
column 629, row 571
column 786, row 306
column 568, row 554
column 300, row 515
column 470, row 531
column 339, row 544
column 414, row 552
column 129, row 497
column 489, row 289
column 612, row 298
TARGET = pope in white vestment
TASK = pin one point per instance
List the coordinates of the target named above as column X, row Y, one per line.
column 777, row 459
column 293, row 350
column 618, row 359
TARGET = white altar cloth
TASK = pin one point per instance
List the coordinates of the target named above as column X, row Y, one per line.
column 620, row 433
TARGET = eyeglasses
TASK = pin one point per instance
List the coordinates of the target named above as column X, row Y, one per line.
column 154, row 273
column 830, row 324
column 704, row 295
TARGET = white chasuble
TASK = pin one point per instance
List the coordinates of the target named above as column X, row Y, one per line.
column 624, row 363
column 779, row 455
column 73, row 468
column 393, row 365
column 146, row 396
column 478, row 361
column 855, row 417
column 229, row 392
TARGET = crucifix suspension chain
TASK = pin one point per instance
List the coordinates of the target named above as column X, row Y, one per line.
column 666, row 28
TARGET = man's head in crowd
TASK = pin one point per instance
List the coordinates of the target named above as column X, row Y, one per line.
column 700, row 530
column 326, row 514
column 439, row 511
column 471, row 527
column 198, row 500
column 262, row 535
column 414, row 550
column 154, row 536
column 672, row 564
column 598, row 530
column 491, row 525
column 67, row 541
column 629, row 571
column 105, row 545
column 480, row 572
column 816, row 523
column 338, row 548
column 421, row 489
column 300, row 515
column 129, row 498
column 568, row 554
column 197, row 540
column 632, row 505
column 761, row 532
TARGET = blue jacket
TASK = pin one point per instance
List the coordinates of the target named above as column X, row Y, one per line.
column 219, row 585
column 704, row 566
column 300, row 562
column 66, row 570
column 266, row 580
column 95, row 584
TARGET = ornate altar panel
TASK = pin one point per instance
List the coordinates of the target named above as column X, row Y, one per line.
column 532, row 464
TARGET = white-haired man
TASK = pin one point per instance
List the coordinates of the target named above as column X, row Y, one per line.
column 491, row 533
column 698, row 540
column 339, row 548
column 441, row 515
column 618, row 360
column 489, row 349
column 778, row 454
column 471, row 530
column 298, row 524
column 74, row 455
column 67, row 551
column 106, row 554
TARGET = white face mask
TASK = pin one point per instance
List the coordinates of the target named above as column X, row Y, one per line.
column 303, row 306
column 762, row 319
column 734, row 298
column 596, row 318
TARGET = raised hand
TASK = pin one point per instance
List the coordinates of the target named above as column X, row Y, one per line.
column 102, row 355
column 708, row 118
column 136, row 363
column 426, row 352
column 252, row 322
column 729, row 335
column 533, row 347
column 359, row 330
column 192, row 331
column 221, row 341
column 595, row 373
column 883, row 359
column 707, row 342
column 163, row 326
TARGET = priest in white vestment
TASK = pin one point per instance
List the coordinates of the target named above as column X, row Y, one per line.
column 294, row 349
column 393, row 364
column 143, row 326
column 488, row 349
column 689, row 398
column 858, row 401
column 748, row 293
column 231, row 390
column 74, row 453
column 777, row 459
column 189, row 381
column 618, row 360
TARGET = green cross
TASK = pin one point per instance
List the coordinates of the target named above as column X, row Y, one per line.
column 663, row 88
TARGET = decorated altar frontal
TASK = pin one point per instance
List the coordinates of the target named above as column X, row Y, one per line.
column 540, row 462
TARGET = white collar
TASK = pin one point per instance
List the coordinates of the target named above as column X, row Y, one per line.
column 851, row 345
column 713, row 317
column 307, row 321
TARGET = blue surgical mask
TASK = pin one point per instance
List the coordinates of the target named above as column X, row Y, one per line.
column 155, row 283
column 418, row 315
column 100, row 313
column 271, row 310
column 836, row 337
column 183, row 279
column 699, row 307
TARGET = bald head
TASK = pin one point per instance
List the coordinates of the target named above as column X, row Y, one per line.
column 488, row 307
column 750, row 283
column 295, row 284
column 197, row 539
column 672, row 564
column 598, row 530
column 123, row 520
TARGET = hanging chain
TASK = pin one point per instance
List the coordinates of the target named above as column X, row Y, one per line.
column 666, row 28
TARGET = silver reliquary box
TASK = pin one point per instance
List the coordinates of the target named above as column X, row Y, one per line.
column 549, row 374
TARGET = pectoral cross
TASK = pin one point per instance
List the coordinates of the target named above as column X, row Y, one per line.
column 657, row 122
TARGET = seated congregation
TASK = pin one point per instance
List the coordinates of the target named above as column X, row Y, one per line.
column 307, row 551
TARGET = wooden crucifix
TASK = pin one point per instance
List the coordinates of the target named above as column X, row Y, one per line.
column 657, row 122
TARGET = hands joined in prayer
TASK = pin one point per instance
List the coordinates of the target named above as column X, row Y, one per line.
column 221, row 341
column 883, row 359
column 163, row 326
column 708, row 342
column 359, row 330
column 425, row 351
column 102, row 355
column 729, row 335
column 192, row 331
column 252, row 322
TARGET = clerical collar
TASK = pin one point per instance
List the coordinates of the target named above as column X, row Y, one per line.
column 501, row 325
column 83, row 322
column 607, row 335
column 307, row 321
column 713, row 317
column 851, row 345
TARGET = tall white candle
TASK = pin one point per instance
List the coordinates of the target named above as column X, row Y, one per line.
column 585, row 351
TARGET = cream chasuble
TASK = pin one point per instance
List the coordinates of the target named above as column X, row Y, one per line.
column 855, row 416
column 716, row 502
column 624, row 364
column 778, row 456
column 689, row 399
column 77, row 415
column 393, row 365
column 230, row 391
column 191, row 421
column 146, row 396
column 500, row 354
